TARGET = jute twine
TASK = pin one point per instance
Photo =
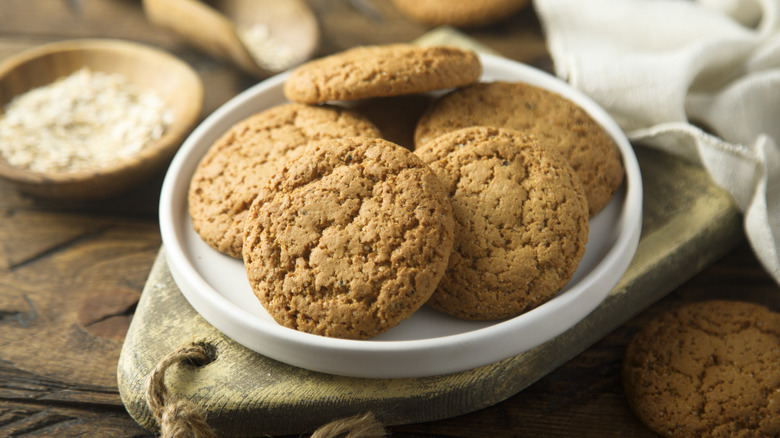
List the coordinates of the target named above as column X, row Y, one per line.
column 181, row 419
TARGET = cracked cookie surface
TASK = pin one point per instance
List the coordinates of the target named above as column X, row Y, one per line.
column 241, row 160
column 349, row 239
column 552, row 119
column 707, row 369
column 521, row 222
column 381, row 71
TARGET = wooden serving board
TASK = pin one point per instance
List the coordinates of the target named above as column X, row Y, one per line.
column 687, row 224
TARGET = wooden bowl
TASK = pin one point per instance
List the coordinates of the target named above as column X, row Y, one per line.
column 148, row 69
column 215, row 26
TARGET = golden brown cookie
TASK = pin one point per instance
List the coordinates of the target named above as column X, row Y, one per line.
column 232, row 170
column 381, row 71
column 555, row 121
column 708, row 369
column 349, row 239
column 521, row 222
column 459, row 13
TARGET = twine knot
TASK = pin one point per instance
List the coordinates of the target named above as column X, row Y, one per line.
column 178, row 418
column 181, row 419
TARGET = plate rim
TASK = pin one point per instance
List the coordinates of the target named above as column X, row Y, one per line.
column 616, row 260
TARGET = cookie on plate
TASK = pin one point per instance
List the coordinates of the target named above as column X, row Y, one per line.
column 521, row 222
column 229, row 175
column 554, row 121
column 707, row 369
column 349, row 239
column 381, row 71
column 459, row 13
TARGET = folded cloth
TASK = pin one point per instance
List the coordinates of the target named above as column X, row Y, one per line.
column 699, row 79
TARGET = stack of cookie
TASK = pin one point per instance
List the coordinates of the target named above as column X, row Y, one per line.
column 369, row 196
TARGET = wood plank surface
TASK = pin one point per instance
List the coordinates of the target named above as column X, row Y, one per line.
column 71, row 274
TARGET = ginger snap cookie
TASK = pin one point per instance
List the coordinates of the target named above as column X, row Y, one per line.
column 551, row 118
column 707, row 369
column 348, row 239
column 381, row 71
column 459, row 13
column 229, row 175
column 521, row 222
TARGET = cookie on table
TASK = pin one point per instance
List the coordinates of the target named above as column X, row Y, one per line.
column 348, row 239
column 459, row 13
column 551, row 118
column 707, row 369
column 381, row 71
column 521, row 222
column 229, row 175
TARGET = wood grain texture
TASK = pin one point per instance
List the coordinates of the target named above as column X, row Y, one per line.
column 68, row 289
column 75, row 290
column 43, row 420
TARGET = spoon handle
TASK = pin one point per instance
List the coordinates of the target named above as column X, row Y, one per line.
column 203, row 27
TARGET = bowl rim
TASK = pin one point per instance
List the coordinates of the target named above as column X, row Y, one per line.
column 166, row 145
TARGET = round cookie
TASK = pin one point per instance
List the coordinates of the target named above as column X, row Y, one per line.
column 381, row 71
column 521, row 222
column 349, row 239
column 552, row 119
column 459, row 13
column 229, row 175
column 707, row 369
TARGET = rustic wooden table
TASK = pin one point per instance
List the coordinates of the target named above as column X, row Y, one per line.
column 71, row 274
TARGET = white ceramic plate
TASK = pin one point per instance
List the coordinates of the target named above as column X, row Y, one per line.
column 428, row 343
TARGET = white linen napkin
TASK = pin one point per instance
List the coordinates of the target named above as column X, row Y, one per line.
column 700, row 79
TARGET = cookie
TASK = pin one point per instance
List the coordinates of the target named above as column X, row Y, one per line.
column 349, row 239
column 551, row 118
column 459, row 13
column 707, row 369
column 381, row 71
column 229, row 175
column 521, row 222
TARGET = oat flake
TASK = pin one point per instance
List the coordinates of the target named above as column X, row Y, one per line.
column 86, row 120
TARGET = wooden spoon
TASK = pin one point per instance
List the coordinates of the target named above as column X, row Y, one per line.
column 286, row 32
